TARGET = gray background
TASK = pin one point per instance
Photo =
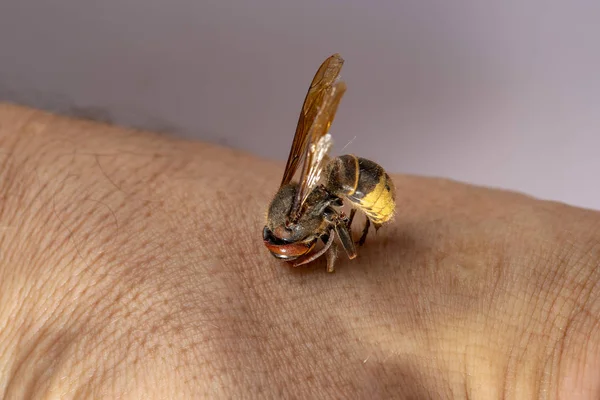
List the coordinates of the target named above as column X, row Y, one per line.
column 502, row 93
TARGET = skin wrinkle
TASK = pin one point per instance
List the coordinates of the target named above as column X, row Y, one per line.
column 384, row 302
column 42, row 334
column 71, row 234
column 511, row 357
column 586, row 299
column 69, row 229
column 498, row 273
column 548, row 365
column 533, row 320
column 534, row 327
column 560, row 343
column 16, row 368
column 116, row 340
column 563, row 344
column 45, row 366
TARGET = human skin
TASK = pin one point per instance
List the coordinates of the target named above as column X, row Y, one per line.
column 132, row 266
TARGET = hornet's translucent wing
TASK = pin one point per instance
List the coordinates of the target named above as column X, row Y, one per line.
column 320, row 87
column 319, row 142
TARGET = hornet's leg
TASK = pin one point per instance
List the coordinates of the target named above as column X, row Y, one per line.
column 329, row 240
column 331, row 255
column 365, row 231
column 351, row 218
column 345, row 235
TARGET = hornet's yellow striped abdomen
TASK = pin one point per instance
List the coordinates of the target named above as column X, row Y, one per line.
column 366, row 184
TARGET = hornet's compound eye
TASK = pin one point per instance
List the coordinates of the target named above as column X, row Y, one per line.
column 270, row 237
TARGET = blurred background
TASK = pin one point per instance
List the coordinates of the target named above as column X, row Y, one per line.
column 504, row 94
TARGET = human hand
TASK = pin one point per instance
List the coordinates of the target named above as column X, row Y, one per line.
column 132, row 266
